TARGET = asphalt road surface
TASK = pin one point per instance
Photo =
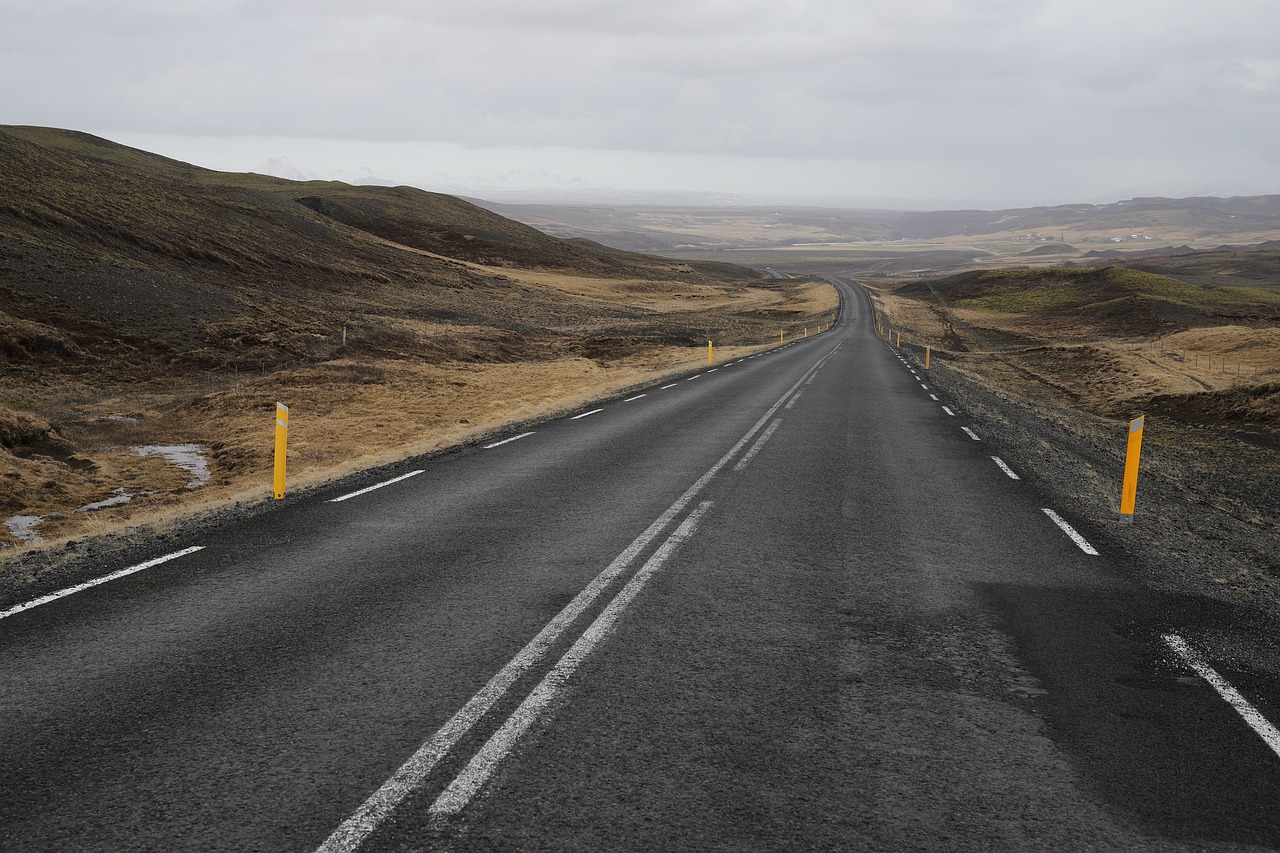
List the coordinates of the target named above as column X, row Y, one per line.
column 790, row 602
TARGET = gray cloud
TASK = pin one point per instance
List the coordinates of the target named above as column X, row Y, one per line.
column 1069, row 85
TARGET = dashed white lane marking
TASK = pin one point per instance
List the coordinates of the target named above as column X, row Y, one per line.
column 586, row 414
column 376, row 486
column 971, row 433
column 755, row 448
column 948, row 411
column 414, row 772
column 925, row 387
column 792, row 401
column 665, row 387
column 1005, row 468
column 636, row 397
column 507, row 440
column 933, row 397
column 713, row 370
column 63, row 593
column 1261, row 725
column 486, row 761
column 1070, row 531
column 691, row 378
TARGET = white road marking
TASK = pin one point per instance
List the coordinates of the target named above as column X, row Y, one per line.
column 1261, row 725
column 933, row 397
column 1005, row 468
column 948, row 411
column 63, row 593
column 1071, row 531
column 665, row 387
column 691, row 378
column 755, row 448
column 507, row 440
column 585, row 414
column 792, row 401
column 636, row 397
column 368, row 489
column 972, row 434
column 486, row 761
column 925, row 387
column 410, row 776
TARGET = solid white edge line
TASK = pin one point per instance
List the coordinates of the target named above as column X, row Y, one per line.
column 368, row 489
column 63, row 593
column 486, row 760
column 1261, row 725
column 584, row 414
column 1005, row 468
column 948, row 411
column 407, row 779
column 1081, row 542
column 755, row 448
column 636, row 397
column 971, row 433
column 507, row 440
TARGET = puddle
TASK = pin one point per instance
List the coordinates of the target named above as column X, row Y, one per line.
column 188, row 457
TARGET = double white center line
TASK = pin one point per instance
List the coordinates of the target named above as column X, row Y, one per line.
column 414, row 772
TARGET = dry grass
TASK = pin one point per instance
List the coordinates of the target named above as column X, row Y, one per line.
column 345, row 416
column 1081, row 365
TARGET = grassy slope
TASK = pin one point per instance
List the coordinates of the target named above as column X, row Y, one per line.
column 239, row 269
column 1113, row 299
column 1074, row 335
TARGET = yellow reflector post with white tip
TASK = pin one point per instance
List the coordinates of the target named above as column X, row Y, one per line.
column 1129, row 491
column 282, row 441
column 927, row 352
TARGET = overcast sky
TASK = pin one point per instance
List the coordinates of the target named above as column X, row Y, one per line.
column 999, row 100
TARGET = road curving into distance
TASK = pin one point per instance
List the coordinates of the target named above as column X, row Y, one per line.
column 799, row 602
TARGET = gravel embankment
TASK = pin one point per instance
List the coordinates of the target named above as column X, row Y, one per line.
column 1206, row 515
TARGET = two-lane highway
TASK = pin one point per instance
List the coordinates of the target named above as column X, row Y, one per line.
column 793, row 601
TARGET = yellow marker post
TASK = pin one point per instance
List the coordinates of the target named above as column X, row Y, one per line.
column 927, row 350
column 710, row 354
column 899, row 339
column 1129, row 492
column 806, row 331
column 782, row 337
column 282, row 439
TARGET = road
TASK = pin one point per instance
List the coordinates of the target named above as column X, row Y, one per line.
column 791, row 601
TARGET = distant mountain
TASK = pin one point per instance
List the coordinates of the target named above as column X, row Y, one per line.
column 1240, row 214
column 283, row 167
